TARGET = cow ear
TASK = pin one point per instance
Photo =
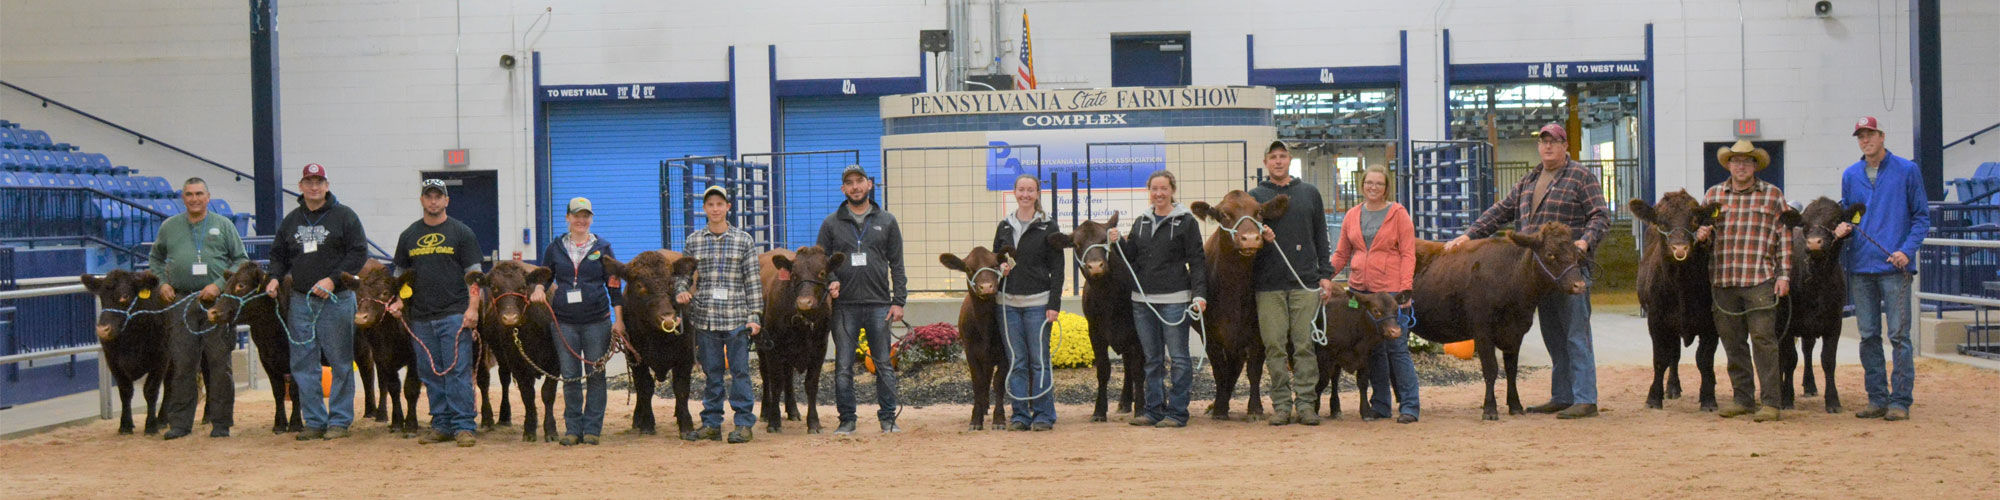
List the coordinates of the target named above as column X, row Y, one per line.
column 1707, row 214
column 1791, row 218
column 612, row 267
column 475, row 278
column 1854, row 213
column 1402, row 297
column 1006, row 252
column 540, row 275
column 1202, row 210
column 836, row 260
column 1276, row 207
column 1114, row 220
column 349, row 281
column 90, row 281
column 147, row 281
column 1059, row 240
column 1642, row 210
column 951, row 262
column 686, row 266
column 780, row 262
column 1524, row 240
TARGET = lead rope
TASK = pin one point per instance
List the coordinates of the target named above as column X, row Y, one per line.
column 1319, row 314
column 1188, row 314
column 1045, row 369
column 430, row 359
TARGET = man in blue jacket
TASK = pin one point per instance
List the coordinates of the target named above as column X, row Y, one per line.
column 1892, row 227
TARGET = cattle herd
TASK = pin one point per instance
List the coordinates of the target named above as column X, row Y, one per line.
column 1484, row 292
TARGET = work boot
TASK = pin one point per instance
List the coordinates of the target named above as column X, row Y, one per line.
column 1578, row 411
column 1017, row 426
column 333, row 433
column 1170, row 424
column 591, row 439
column 1549, row 407
column 705, row 432
column 845, row 429
column 1872, row 411
column 433, row 436
column 1734, row 410
column 466, row 439
column 1769, row 413
column 173, row 434
column 890, row 427
column 567, row 440
column 1406, row 418
column 1896, row 415
column 1042, row 427
column 1144, row 421
column 1281, row 417
column 1306, row 418
column 310, row 434
column 740, row 435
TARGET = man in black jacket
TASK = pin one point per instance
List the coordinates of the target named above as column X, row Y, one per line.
column 1293, row 260
column 868, row 292
column 316, row 242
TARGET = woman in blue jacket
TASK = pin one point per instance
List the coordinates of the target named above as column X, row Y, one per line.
column 587, row 302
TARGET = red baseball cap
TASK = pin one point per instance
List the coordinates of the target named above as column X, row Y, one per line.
column 1867, row 123
column 313, row 170
column 1555, row 129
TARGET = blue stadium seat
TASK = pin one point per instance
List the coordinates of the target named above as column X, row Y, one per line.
column 33, row 139
column 219, row 206
column 123, row 171
column 8, row 124
column 10, row 162
column 6, row 138
column 27, row 161
column 162, row 189
column 7, row 179
column 65, row 162
column 98, row 163
column 47, row 162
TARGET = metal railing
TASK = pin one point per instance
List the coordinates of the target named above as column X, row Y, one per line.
column 1962, row 274
column 143, row 138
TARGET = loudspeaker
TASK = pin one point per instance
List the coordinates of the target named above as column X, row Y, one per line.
column 934, row 40
column 1823, row 8
column 507, row 61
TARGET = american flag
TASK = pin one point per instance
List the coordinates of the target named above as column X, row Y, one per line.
column 1026, row 70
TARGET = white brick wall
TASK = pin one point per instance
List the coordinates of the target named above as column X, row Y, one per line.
column 367, row 86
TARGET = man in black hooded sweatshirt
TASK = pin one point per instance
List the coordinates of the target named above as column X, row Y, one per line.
column 316, row 242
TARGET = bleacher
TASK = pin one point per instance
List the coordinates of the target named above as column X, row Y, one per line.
column 102, row 200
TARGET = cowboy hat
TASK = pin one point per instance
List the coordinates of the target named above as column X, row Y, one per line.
column 1743, row 148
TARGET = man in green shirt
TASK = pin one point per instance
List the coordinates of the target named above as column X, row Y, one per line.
column 189, row 255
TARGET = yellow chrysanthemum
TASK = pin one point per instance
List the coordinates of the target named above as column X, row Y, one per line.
column 1070, row 342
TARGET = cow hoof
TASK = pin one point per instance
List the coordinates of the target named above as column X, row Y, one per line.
column 1333, row 416
column 1220, row 416
column 1786, row 406
column 1490, row 416
column 296, row 428
column 125, row 431
column 1833, row 408
column 1655, row 404
column 648, row 432
column 793, row 418
column 812, row 429
column 528, row 438
column 277, row 429
column 152, row 430
column 1515, row 412
column 1810, row 391
column 1673, row 393
column 409, row 435
column 1099, row 418
column 773, row 429
column 1708, row 407
column 976, row 427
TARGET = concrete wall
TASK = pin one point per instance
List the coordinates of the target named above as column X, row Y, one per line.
column 374, row 90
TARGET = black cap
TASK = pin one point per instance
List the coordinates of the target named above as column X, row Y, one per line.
column 716, row 191
column 434, row 185
column 1276, row 145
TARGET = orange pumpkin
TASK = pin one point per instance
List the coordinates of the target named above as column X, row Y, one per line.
column 1460, row 350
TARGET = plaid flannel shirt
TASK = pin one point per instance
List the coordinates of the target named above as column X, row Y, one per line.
column 726, row 264
column 1574, row 199
column 1751, row 245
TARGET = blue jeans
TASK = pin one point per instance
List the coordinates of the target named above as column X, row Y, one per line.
column 583, row 407
column 327, row 330
column 1390, row 362
column 715, row 348
column 1566, row 331
column 1873, row 295
column 1028, row 358
column 445, row 361
column 1154, row 337
column 848, row 321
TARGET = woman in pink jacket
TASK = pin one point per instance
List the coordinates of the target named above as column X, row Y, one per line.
column 1379, row 241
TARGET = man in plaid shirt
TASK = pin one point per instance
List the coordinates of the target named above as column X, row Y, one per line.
column 728, row 297
column 1749, row 269
column 1561, row 191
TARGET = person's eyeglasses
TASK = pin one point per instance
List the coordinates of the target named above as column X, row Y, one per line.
column 1551, row 141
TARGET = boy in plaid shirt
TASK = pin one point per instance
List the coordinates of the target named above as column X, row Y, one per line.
column 1753, row 255
column 728, row 299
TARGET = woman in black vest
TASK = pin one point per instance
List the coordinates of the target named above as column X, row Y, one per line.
column 586, row 301
column 1029, row 300
column 1165, row 260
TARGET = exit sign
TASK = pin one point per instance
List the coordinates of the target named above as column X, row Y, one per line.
column 1749, row 129
column 457, row 158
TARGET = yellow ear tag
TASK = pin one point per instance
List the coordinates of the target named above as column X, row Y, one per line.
column 145, row 294
column 1718, row 212
column 405, row 292
column 1857, row 218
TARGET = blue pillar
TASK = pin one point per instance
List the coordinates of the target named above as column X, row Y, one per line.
column 264, row 137
column 1928, row 84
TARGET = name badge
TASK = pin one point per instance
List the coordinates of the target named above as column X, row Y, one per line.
column 857, row 259
column 718, row 293
column 573, row 297
column 200, row 269
column 310, row 247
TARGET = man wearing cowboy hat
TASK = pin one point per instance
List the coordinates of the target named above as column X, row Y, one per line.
column 442, row 311
column 1563, row 191
column 1894, row 224
column 1752, row 257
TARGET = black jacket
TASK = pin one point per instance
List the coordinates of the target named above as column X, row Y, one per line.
column 1038, row 267
column 601, row 291
column 1165, row 253
column 342, row 245
column 1302, row 238
column 882, row 240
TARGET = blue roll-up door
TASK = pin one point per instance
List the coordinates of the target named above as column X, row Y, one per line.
column 812, row 186
column 611, row 153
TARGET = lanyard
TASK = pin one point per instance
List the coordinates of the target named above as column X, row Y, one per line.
column 575, row 265
column 195, row 233
column 860, row 231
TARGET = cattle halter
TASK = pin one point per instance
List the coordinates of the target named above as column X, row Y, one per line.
column 1671, row 233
